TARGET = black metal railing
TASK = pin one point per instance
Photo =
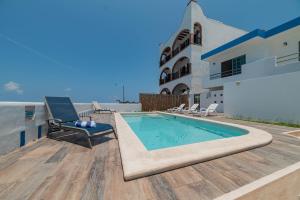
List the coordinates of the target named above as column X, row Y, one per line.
column 224, row 74
column 184, row 71
column 176, row 51
column 165, row 80
column 165, row 60
column 288, row 58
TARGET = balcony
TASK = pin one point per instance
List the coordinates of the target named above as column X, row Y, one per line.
column 176, row 51
column 164, row 61
column 295, row 57
column 184, row 71
column 224, row 74
column 164, row 81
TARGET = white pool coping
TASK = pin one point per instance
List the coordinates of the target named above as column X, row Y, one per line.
column 138, row 162
column 264, row 181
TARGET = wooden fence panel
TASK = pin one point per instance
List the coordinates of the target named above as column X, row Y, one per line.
column 161, row 102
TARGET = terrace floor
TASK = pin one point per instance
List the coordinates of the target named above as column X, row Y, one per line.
column 51, row 169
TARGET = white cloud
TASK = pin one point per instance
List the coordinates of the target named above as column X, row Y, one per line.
column 13, row 87
column 68, row 89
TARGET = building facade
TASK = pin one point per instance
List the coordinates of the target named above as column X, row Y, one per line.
column 256, row 54
column 259, row 74
column 181, row 69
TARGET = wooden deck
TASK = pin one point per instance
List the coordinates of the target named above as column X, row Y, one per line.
column 52, row 169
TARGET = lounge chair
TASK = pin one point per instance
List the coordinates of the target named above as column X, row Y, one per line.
column 177, row 109
column 97, row 108
column 62, row 117
column 212, row 108
column 192, row 109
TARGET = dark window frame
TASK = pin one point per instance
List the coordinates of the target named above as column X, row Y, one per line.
column 233, row 66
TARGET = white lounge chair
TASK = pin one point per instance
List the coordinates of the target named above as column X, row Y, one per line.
column 177, row 109
column 212, row 108
column 192, row 109
column 97, row 108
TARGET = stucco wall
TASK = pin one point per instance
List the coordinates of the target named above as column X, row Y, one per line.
column 122, row 107
column 261, row 57
column 211, row 97
column 272, row 98
column 13, row 122
column 214, row 34
column 259, row 68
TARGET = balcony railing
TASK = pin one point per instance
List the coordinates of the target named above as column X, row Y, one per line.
column 176, row 51
column 167, row 58
column 184, row 71
column 288, row 58
column 226, row 74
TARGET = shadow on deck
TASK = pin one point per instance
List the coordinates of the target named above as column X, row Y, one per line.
column 51, row 169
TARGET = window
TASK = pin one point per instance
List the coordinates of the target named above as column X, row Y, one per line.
column 233, row 66
column 215, row 95
column 197, row 99
column 221, row 101
column 221, row 95
column 215, row 101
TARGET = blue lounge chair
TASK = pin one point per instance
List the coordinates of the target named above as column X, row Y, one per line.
column 62, row 117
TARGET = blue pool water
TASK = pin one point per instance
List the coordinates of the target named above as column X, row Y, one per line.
column 157, row 131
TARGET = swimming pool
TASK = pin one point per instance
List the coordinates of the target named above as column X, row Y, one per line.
column 158, row 131
column 155, row 142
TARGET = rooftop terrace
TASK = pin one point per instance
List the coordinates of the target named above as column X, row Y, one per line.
column 50, row 169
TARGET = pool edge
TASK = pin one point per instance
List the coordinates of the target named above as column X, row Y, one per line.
column 138, row 162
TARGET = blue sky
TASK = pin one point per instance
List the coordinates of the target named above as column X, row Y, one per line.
column 88, row 49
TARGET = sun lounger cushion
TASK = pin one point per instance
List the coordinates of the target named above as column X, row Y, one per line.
column 99, row 127
column 85, row 124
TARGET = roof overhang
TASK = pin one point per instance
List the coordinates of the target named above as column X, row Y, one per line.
column 251, row 35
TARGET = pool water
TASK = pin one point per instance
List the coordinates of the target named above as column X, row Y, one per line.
column 158, row 131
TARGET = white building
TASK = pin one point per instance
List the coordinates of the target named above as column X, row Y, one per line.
column 181, row 68
column 259, row 74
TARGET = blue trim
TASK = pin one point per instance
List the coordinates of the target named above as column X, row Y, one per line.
column 39, row 132
column 256, row 33
column 22, row 138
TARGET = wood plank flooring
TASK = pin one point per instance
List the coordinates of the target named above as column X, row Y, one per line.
column 51, row 169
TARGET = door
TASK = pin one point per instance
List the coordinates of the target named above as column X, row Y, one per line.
column 197, row 99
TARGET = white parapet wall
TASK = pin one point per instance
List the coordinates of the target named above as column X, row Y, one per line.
column 132, row 107
column 273, row 98
column 13, row 122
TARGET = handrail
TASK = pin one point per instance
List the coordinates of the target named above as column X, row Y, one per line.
column 184, row 71
column 176, row 51
column 278, row 60
column 225, row 74
column 288, row 55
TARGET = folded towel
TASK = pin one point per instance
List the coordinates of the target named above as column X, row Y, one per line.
column 85, row 124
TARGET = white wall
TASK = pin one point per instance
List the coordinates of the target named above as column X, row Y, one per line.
column 12, row 121
column 261, row 55
column 214, row 34
column 272, row 98
column 123, row 107
column 259, row 68
column 211, row 97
